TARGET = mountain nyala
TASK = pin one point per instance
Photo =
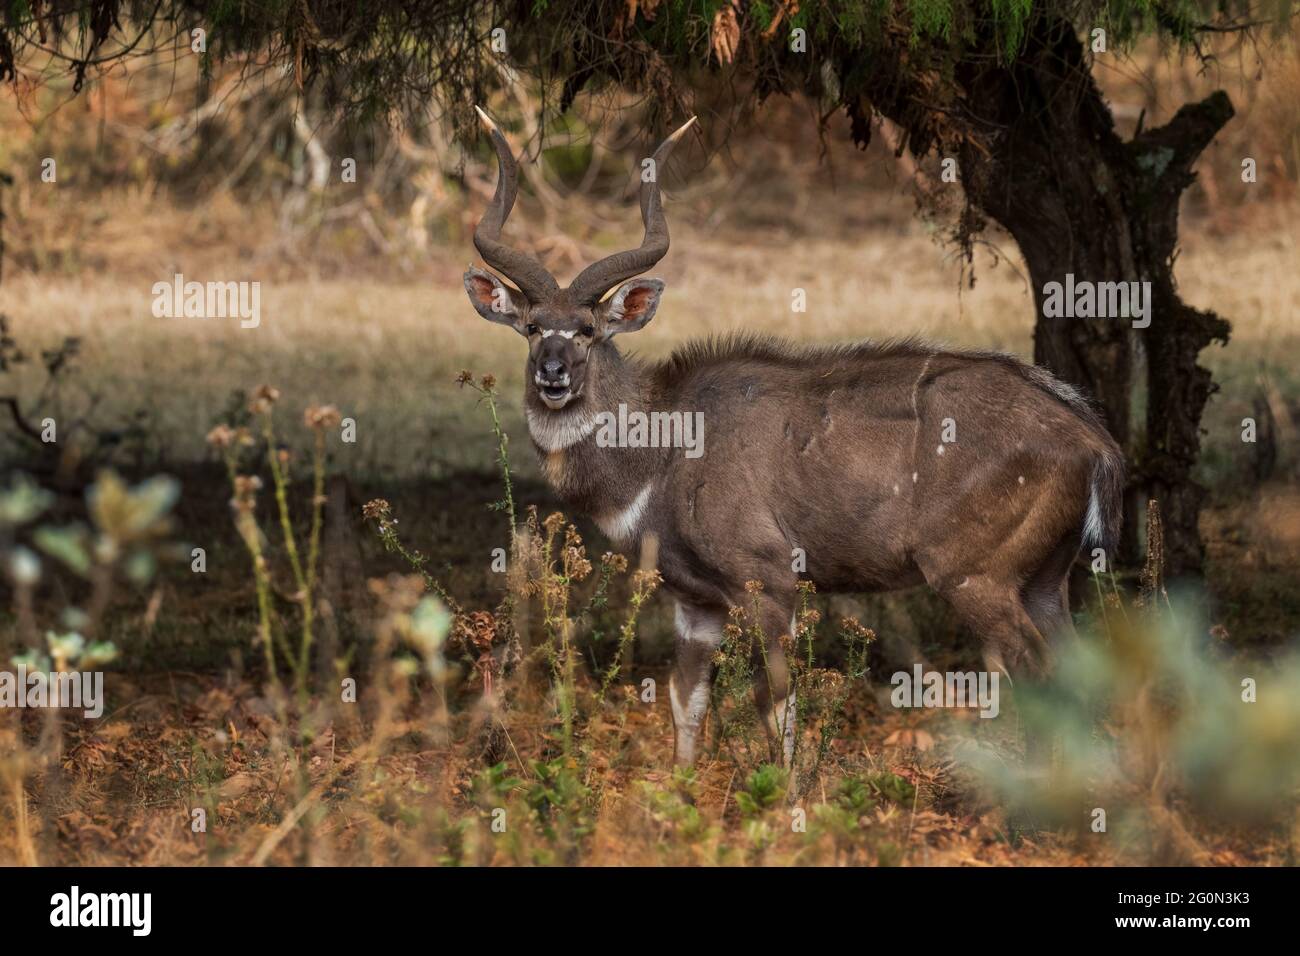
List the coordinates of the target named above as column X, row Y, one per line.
column 883, row 465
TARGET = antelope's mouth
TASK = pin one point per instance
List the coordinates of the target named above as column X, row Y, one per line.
column 555, row 393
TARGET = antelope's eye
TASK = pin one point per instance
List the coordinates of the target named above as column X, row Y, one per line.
column 532, row 328
column 588, row 330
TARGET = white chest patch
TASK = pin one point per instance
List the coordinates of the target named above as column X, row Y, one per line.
column 556, row 431
column 622, row 525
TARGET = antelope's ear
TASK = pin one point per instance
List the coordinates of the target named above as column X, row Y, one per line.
column 493, row 299
column 632, row 306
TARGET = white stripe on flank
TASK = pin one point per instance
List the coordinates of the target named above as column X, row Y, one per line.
column 622, row 525
column 556, row 431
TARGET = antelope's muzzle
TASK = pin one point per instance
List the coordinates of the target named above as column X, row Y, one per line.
column 553, row 382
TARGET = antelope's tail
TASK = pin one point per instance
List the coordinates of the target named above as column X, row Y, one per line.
column 1105, row 515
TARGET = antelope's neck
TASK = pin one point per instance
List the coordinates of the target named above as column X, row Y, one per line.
column 594, row 480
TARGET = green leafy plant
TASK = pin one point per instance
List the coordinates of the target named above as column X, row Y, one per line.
column 764, row 789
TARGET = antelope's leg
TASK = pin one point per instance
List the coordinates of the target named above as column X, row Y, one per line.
column 774, row 692
column 1012, row 642
column 1046, row 596
column 699, row 632
column 993, row 610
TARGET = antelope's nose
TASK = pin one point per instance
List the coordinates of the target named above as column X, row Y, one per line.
column 553, row 370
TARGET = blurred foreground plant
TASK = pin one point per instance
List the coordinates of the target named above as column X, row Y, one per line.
column 126, row 535
column 1153, row 734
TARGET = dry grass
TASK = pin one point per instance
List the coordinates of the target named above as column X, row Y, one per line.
column 432, row 753
column 387, row 350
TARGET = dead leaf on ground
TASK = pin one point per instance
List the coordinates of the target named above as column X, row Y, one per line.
column 917, row 738
column 236, row 786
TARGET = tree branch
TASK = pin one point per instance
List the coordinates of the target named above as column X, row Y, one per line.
column 1192, row 129
column 24, row 426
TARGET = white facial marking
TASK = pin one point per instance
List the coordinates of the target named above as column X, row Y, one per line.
column 622, row 525
column 567, row 335
column 559, row 430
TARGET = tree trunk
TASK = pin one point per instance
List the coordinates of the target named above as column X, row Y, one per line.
column 1080, row 201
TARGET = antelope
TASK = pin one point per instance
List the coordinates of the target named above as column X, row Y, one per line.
column 891, row 465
